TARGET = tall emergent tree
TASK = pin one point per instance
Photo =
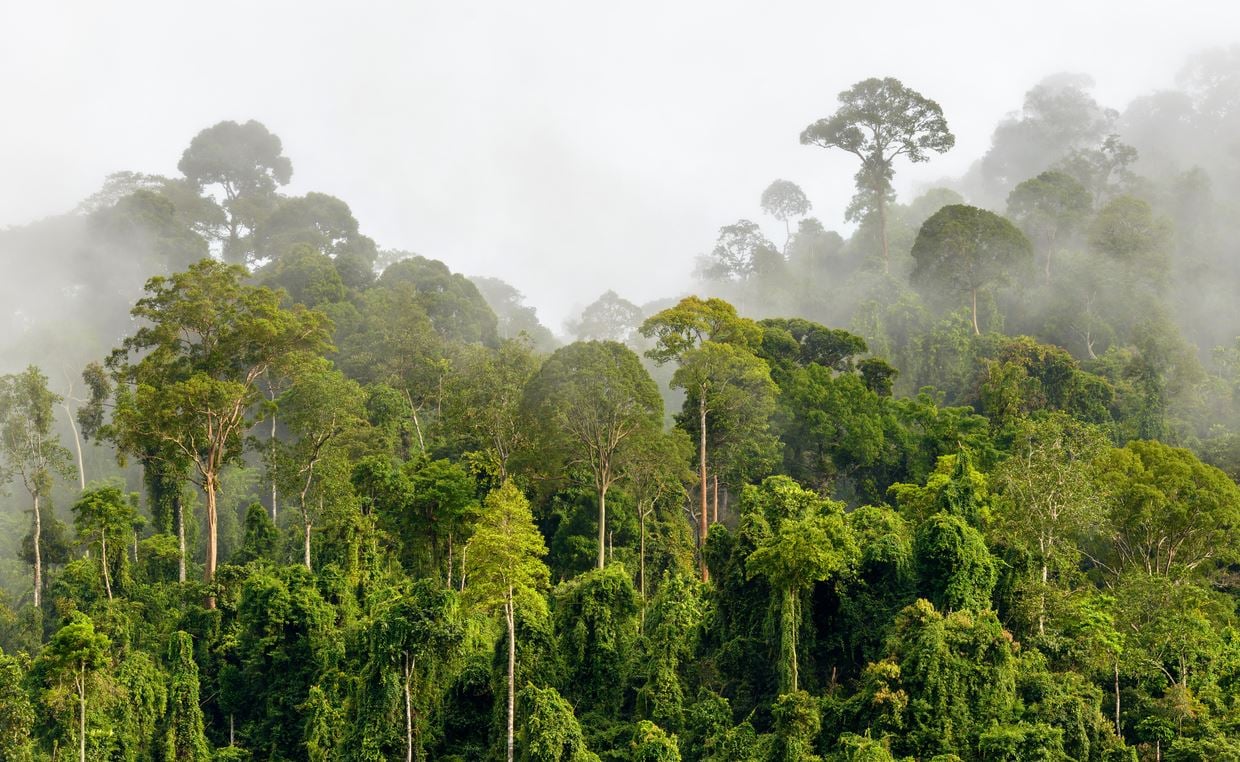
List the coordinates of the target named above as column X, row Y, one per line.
column 878, row 121
column 30, row 449
column 600, row 403
column 507, row 569
column 71, row 660
column 189, row 378
column 247, row 163
column 962, row 250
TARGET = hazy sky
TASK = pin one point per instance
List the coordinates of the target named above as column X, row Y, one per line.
column 567, row 147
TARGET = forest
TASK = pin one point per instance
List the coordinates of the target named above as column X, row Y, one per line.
column 956, row 483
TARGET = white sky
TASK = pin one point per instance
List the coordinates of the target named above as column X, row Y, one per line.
column 566, row 147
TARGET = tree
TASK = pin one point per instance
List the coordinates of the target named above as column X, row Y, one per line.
column 31, row 450
column 550, row 732
column 320, row 409
column 507, row 570
column 1050, row 500
column 208, row 341
column 184, row 740
column 1169, row 514
column 598, row 402
column 247, row 163
column 740, row 251
column 714, row 347
column 784, row 200
column 961, row 250
column 1049, row 209
column 608, row 318
column 878, row 121
column 101, row 513
column 811, row 542
column 73, row 656
column 16, row 713
column 414, row 631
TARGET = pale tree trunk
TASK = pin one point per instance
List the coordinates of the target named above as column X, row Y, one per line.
column 408, row 708
column 882, row 230
column 512, row 666
column 450, row 559
column 103, row 556
column 180, row 508
column 641, row 562
column 38, row 554
column 715, row 507
column 602, row 526
column 788, row 638
column 212, row 541
column 704, row 524
column 81, row 686
column 1118, row 728
column 976, row 331
column 77, row 443
column 306, row 544
column 271, row 438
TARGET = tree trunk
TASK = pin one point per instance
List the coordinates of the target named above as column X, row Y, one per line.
column 704, row 525
column 602, row 527
column 212, row 539
column 272, row 439
column 180, row 509
column 882, row 229
column 306, row 542
column 81, row 686
column 788, row 638
column 408, row 709
column 77, row 443
column 641, row 563
column 976, row 331
column 715, row 503
column 38, row 554
column 512, row 665
column 450, row 559
column 103, row 556
column 1118, row 728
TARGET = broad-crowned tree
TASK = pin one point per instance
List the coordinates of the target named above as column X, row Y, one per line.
column 1049, row 209
column 189, row 378
column 962, row 250
column 597, row 403
column 246, row 162
column 878, row 121
column 608, row 318
column 784, row 200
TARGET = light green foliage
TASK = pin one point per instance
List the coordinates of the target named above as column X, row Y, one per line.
column 30, row 450
column 16, row 712
column 550, row 732
column 102, row 514
column 652, row 744
column 1169, row 513
column 810, row 543
column 505, row 553
column 70, row 668
column 183, row 737
column 596, row 616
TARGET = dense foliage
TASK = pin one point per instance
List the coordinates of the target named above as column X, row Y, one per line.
column 317, row 500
